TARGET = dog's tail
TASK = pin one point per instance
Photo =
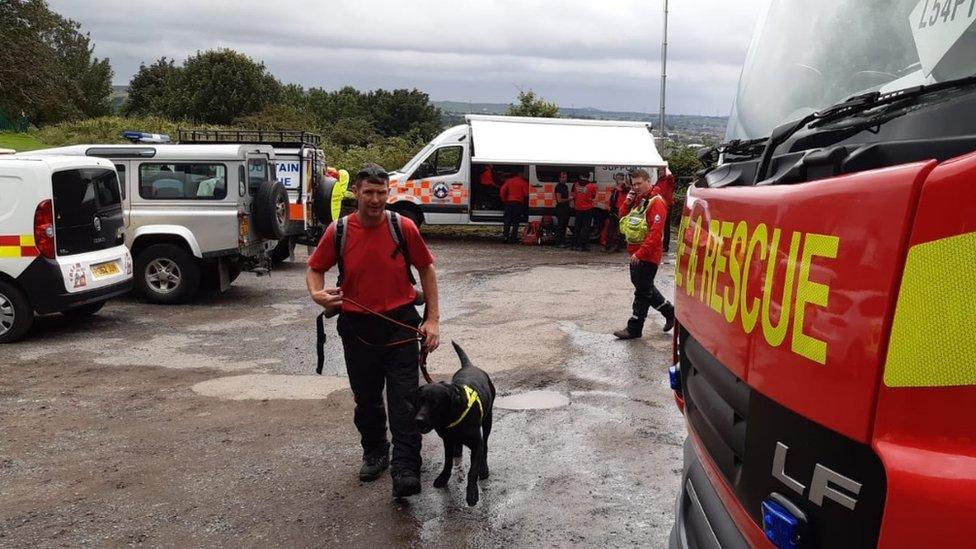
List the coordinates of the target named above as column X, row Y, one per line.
column 465, row 361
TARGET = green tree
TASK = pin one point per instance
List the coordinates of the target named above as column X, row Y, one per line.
column 529, row 104
column 47, row 70
column 403, row 113
column 155, row 91
column 222, row 85
column 277, row 117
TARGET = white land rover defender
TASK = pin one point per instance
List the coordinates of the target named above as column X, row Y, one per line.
column 196, row 215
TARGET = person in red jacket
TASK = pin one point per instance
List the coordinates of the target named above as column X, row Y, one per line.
column 514, row 194
column 584, row 200
column 665, row 187
column 645, row 256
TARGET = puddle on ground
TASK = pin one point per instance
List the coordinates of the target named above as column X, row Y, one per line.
column 271, row 386
column 532, row 400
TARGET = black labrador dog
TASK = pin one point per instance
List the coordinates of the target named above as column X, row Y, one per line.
column 460, row 412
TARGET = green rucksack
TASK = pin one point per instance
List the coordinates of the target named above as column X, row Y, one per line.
column 634, row 225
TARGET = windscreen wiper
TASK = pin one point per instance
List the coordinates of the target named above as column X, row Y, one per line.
column 746, row 148
column 849, row 107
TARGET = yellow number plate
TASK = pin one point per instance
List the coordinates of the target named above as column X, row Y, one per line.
column 244, row 228
column 101, row 270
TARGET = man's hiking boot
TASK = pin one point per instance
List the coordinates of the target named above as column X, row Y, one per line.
column 373, row 466
column 667, row 310
column 405, row 483
column 634, row 329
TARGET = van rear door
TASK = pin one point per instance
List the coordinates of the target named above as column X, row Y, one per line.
column 87, row 210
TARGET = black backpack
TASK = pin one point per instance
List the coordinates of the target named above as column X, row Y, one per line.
column 339, row 241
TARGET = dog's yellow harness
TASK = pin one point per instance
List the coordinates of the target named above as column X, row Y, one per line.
column 473, row 399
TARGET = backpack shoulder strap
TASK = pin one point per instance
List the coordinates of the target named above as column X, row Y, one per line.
column 339, row 242
column 396, row 231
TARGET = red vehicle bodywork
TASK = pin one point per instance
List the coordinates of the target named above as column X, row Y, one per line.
column 794, row 289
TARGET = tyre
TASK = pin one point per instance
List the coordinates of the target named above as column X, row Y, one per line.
column 84, row 310
column 282, row 251
column 269, row 211
column 16, row 314
column 412, row 214
column 322, row 202
column 167, row 273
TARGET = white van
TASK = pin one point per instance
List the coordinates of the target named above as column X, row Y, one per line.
column 62, row 237
column 441, row 184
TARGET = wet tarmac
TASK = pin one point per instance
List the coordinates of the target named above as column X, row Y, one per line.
column 204, row 424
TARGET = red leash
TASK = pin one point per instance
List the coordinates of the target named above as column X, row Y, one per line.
column 419, row 338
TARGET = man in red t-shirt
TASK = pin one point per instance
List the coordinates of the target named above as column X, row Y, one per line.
column 375, row 274
column 645, row 256
column 665, row 187
column 584, row 199
column 514, row 193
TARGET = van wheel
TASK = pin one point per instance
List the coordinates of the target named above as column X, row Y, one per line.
column 166, row 273
column 282, row 251
column 270, row 210
column 84, row 310
column 411, row 213
column 16, row 315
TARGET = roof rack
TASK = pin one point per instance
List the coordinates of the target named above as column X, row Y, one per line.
column 281, row 138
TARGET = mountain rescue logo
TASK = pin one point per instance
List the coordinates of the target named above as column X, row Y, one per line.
column 441, row 190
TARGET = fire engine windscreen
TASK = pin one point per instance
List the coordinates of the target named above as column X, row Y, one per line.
column 809, row 55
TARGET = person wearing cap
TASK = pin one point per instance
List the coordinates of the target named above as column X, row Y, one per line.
column 584, row 200
column 642, row 222
column 514, row 194
column 379, row 354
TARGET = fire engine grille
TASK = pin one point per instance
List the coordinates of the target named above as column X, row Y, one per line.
column 740, row 428
column 716, row 404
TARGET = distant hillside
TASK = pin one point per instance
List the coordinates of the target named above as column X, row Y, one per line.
column 697, row 128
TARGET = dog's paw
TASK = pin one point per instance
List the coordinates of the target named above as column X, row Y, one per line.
column 441, row 481
column 483, row 474
column 472, row 496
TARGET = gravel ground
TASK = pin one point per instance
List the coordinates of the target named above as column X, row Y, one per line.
column 204, row 424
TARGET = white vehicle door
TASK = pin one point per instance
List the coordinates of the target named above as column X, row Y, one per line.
column 441, row 185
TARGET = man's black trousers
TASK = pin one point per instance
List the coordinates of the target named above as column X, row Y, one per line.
column 646, row 295
column 562, row 222
column 583, row 222
column 513, row 216
column 371, row 367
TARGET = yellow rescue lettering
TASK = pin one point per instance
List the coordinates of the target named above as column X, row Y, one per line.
column 720, row 261
column 735, row 257
column 711, row 248
column 682, row 228
column 776, row 333
column 693, row 258
column 759, row 240
column 812, row 293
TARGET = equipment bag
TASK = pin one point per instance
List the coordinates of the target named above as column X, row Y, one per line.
column 531, row 237
column 634, row 225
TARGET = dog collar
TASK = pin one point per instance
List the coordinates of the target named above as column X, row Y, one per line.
column 473, row 398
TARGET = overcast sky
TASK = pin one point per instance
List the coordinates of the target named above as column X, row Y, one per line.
column 583, row 53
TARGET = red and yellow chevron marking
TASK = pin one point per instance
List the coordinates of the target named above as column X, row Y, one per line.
column 18, row 246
